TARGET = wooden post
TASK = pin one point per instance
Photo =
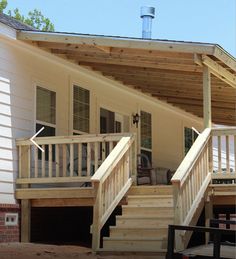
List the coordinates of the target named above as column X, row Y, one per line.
column 25, row 220
column 24, row 159
column 178, row 212
column 207, row 97
column 96, row 217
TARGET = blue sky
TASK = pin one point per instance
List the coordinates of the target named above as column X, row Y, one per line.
column 211, row 21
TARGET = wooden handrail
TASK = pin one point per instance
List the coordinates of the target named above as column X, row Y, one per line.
column 85, row 138
column 190, row 183
column 111, row 181
column 191, row 157
column 67, row 159
column 196, row 171
column 111, row 161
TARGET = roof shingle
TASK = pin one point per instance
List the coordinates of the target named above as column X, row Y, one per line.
column 15, row 24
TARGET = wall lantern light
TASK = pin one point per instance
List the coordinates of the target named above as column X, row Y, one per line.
column 136, row 118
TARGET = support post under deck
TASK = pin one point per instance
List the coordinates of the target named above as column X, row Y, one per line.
column 25, row 220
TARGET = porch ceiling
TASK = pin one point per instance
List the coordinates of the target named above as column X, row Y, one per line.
column 167, row 70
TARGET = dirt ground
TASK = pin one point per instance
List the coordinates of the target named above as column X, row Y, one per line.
column 38, row 251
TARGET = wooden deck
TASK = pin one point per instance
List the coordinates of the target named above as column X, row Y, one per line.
column 99, row 170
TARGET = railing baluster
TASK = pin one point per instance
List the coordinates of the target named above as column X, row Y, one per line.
column 103, row 151
column 64, row 160
column 35, row 162
column 191, row 186
column 49, row 160
column 110, row 146
column 71, row 160
column 80, row 159
column 219, row 155
column 210, row 154
column 88, row 159
column 43, row 161
column 227, row 154
column 57, row 151
column 95, row 157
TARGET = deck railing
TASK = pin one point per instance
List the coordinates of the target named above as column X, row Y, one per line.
column 201, row 165
column 67, row 159
column 224, row 155
column 111, row 181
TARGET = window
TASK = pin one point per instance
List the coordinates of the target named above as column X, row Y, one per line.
column 81, row 109
column 46, row 106
column 189, row 138
column 45, row 115
column 146, row 134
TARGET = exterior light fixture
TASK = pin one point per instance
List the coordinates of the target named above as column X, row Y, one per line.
column 136, row 118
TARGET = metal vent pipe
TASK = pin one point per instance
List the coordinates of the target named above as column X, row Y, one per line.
column 147, row 14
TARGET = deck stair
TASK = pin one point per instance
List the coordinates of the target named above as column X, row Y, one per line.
column 143, row 225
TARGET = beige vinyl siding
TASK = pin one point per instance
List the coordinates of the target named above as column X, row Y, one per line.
column 15, row 120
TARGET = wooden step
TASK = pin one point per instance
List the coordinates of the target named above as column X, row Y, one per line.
column 138, row 232
column 151, row 190
column 150, row 199
column 144, row 221
column 137, row 245
column 147, row 210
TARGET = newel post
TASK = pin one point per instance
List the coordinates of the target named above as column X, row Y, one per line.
column 24, row 172
column 96, row 217
column 178, row 214
column 24, row 162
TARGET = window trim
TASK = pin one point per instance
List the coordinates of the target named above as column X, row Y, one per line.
column 140, row 129
column 72, row 130
column 192, row 138
column 38, row 84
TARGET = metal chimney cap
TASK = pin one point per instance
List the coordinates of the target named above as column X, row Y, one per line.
column 147, row 11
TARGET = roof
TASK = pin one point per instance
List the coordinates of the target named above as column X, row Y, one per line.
column 171, row 71
column 13, row 23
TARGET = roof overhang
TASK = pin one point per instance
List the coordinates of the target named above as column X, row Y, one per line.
column 171, row 71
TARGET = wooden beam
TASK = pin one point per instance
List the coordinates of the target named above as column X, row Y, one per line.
column 43, row 193
column 207, row 97
column 71, row 202
column 225, row 57
column 131, row 43
column 219, row 71
column 198, row 59
column 90, row 61
column 25, row 220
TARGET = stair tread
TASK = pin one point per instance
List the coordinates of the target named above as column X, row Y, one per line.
column 150, row 196
column 148, row 206
column 159, row 250
column 135, row 238
column 140, row 228
column 144, row 217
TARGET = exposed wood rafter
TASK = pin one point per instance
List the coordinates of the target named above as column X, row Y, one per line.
column 219, row 71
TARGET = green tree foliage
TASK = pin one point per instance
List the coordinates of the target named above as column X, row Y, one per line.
column 3, row 5
column 35, row 18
